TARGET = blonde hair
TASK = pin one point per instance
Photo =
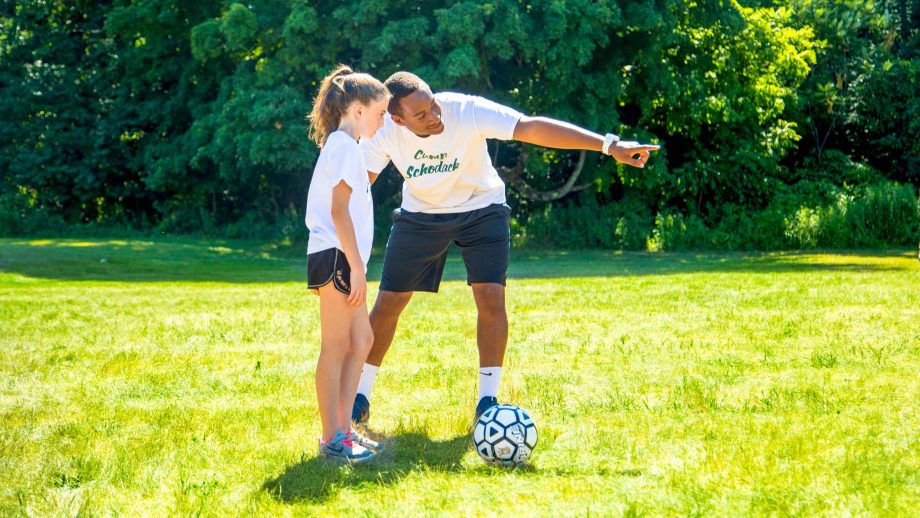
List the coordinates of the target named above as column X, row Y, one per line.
column 339, row 89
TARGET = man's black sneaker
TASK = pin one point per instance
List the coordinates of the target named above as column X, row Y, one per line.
column 485, row 404
column 361, row 410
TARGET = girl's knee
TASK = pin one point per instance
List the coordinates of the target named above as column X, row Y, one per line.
column 335, row 348
column 363, row 345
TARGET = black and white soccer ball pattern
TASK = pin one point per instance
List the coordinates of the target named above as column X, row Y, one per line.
column 505, row 435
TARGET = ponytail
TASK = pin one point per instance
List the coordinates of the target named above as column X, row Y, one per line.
column 339, row 89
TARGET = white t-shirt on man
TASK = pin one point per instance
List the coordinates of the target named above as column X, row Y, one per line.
column 451, row 172
column 340, row 160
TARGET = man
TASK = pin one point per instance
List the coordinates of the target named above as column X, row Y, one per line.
column 452, row 193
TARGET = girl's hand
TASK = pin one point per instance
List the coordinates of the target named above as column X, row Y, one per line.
column 358, row 288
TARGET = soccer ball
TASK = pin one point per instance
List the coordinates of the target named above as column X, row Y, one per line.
column 505, row 435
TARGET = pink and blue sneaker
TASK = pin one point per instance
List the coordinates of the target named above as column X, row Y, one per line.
column 341, row 448
column 367, row 442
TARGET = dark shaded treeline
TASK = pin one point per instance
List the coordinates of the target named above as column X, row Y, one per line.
column 775, row 117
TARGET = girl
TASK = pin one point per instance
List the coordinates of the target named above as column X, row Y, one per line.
column 348, row 107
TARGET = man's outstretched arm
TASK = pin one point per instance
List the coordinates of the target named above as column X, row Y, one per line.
column 546, row 132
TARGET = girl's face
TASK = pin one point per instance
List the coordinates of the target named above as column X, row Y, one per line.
column 370, row 117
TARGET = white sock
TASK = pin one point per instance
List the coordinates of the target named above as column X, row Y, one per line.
column 489, row 378
column 368, row 377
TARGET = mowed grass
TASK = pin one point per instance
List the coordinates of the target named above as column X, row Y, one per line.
column 176, row 378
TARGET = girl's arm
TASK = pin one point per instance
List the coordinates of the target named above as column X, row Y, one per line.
column 345, row 229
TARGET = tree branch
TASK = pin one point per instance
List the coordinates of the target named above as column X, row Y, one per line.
column 515, row 177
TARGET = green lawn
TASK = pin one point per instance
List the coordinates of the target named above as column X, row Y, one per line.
column 175, row 377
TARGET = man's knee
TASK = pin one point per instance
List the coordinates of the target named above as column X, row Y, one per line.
column 490, row 300
column 390, row 304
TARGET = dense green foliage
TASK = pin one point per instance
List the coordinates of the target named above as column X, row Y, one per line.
column 190, row 116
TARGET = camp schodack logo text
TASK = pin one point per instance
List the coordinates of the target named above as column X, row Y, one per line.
column 423, row 169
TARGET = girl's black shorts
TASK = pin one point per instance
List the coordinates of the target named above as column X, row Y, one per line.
column 328, row 266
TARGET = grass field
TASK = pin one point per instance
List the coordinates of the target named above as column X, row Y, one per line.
column 174, row 377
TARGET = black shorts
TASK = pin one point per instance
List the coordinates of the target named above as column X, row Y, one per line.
column 417, row 250
column 328, row 266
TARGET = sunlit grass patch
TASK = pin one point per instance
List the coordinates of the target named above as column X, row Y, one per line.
column 176, row 378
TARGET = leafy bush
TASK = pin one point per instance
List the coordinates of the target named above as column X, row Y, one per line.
column 624, row 225
column 880, row 214
column 806, row 215
column 675, row 231
column 20, row 217
column 740, row 228
column 834, row 167
column 886, row 213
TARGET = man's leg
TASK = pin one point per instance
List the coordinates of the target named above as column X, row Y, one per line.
column 491, row 324
column 492, row 339
column 484, row 241
column 384, row 317
column 414, row 261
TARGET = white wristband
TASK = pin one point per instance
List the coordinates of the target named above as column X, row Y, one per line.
column 609, row 139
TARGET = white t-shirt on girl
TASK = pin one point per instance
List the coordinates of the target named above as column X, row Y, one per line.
column 451, row 172
column 340, row 159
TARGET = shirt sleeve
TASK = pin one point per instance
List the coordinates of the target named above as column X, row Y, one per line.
column 376, row 156
column 494, row 120
column 350, row 167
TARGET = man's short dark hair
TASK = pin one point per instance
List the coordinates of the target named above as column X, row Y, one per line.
column 401, row 84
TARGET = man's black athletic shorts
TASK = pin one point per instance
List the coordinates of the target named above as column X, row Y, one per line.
column 417, row 249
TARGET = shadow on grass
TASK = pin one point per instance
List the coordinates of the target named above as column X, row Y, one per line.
column 185, row 260
column 316, row 480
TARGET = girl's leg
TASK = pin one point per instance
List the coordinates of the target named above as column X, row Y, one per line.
column 336, row 320
column 362, row 338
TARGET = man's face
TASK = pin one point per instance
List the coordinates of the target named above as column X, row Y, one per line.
column 421, row 114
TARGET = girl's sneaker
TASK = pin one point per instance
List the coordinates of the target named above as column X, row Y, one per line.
column 368, row 443
column 342, row 449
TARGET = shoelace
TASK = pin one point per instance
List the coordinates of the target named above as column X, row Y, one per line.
column 346, row 442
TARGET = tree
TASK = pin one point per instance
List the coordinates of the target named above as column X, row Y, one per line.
column 192, row 115
column 53, row 93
